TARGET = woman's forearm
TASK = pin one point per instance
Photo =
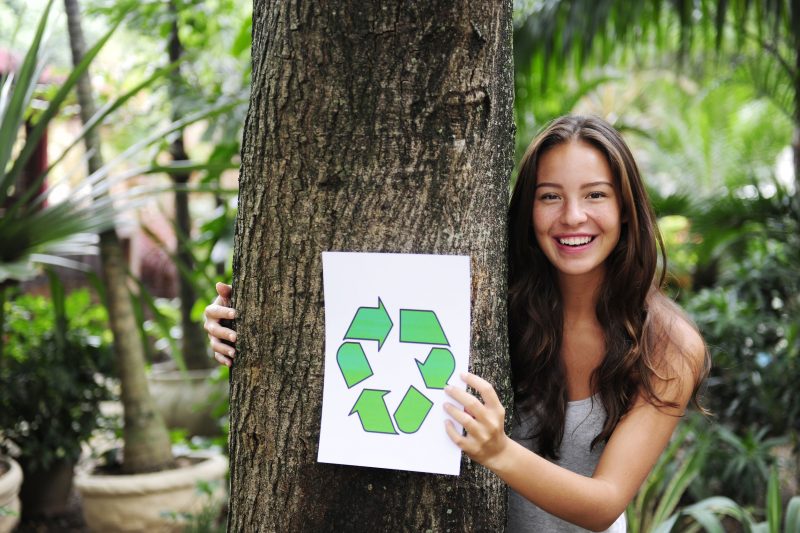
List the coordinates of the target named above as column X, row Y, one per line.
column 590, row 503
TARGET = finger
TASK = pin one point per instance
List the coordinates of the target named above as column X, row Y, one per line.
column 460, row 416
column 219, row 344
column 454, row 434
column 221, row 359
column 482, row 387
column 223, row 289
column 222, row 348
column 216, row 331
column 472, row 405
column 216, row 310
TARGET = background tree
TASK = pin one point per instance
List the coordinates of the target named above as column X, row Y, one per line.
column 147, row 444
column 206, row 45
column 372, row 127
column 193, row 341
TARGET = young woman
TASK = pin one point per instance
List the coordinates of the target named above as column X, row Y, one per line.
column 603, row 363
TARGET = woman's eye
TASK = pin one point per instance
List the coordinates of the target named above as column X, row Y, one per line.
column 597, row 195
column 549, row 196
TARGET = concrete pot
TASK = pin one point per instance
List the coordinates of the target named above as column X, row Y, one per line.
column 10, row 484
column 186, row 399
column 155, row 502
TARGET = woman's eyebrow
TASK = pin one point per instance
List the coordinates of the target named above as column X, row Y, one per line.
column 596, row 183
column 584, row 186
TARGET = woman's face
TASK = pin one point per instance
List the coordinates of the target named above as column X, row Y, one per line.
column 576, row 209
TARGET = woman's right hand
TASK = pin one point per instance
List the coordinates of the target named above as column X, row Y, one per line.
column 221, row 309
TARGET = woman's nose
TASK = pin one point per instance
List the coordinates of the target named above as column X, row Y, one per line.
column 573, row 214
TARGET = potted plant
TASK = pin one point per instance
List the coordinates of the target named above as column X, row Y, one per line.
column 148, row 483
column 33, row 231
column 53, row 380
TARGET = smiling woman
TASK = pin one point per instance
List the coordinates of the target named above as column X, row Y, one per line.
column 603, row 364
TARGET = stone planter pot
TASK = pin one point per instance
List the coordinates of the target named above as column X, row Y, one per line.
column 186, row 399
column 155, row 502
column 10, row 484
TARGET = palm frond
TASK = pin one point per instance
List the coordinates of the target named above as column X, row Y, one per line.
column 558, row 32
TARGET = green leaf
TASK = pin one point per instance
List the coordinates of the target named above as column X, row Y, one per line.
column 19, row 270
column 112, row 106
column 38, row 130
column 162, row 322
column 791, row 522
column 243, row 38
column 773, row 502
column 17, row 103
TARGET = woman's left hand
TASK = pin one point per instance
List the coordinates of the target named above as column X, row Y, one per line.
column 484, row 421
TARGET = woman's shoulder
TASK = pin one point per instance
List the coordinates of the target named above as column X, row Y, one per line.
column 681, row 351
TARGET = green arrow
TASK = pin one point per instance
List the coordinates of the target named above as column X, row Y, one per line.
column 437, row 368
column 421, row 327
column 353, row 363
column 372, row 412
column 370, row 324
column 411, row 412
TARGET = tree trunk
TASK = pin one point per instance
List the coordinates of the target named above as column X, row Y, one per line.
column 146, row 440
column 194, row 345
column 372, row 127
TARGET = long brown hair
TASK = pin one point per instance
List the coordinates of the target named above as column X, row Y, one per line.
column 634, row 335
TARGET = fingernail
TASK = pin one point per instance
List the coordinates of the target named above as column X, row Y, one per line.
column 231, row 314
column 232, row 337
column 231, row 352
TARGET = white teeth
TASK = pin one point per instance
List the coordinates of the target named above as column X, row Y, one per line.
column 575, row 241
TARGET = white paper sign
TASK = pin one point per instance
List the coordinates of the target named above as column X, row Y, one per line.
column 397, row 329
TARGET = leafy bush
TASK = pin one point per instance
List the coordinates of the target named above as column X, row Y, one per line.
column 749, row 322
column 52, row 377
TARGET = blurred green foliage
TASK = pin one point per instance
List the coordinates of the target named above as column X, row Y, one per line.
column 53, row 377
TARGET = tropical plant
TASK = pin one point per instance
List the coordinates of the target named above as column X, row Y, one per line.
column 705, row 515
column 589, row 32
column 669, row 480
column 210, row 251
column 54, row 376
column 749, row 316
column 739, row 465
column 210, row 67
column 32, row 231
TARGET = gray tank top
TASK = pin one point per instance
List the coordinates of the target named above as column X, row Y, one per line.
column 584, row 421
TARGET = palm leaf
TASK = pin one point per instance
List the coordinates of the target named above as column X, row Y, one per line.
column 791, row 522
column 561, row 32
column 706, row 513
column 13, row 107
column 773, row 502
column 53, row 107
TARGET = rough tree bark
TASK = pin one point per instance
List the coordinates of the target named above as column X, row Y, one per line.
column 379, row 127
column 147, row 445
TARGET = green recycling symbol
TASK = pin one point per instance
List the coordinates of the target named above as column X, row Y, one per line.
column 416, row 326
